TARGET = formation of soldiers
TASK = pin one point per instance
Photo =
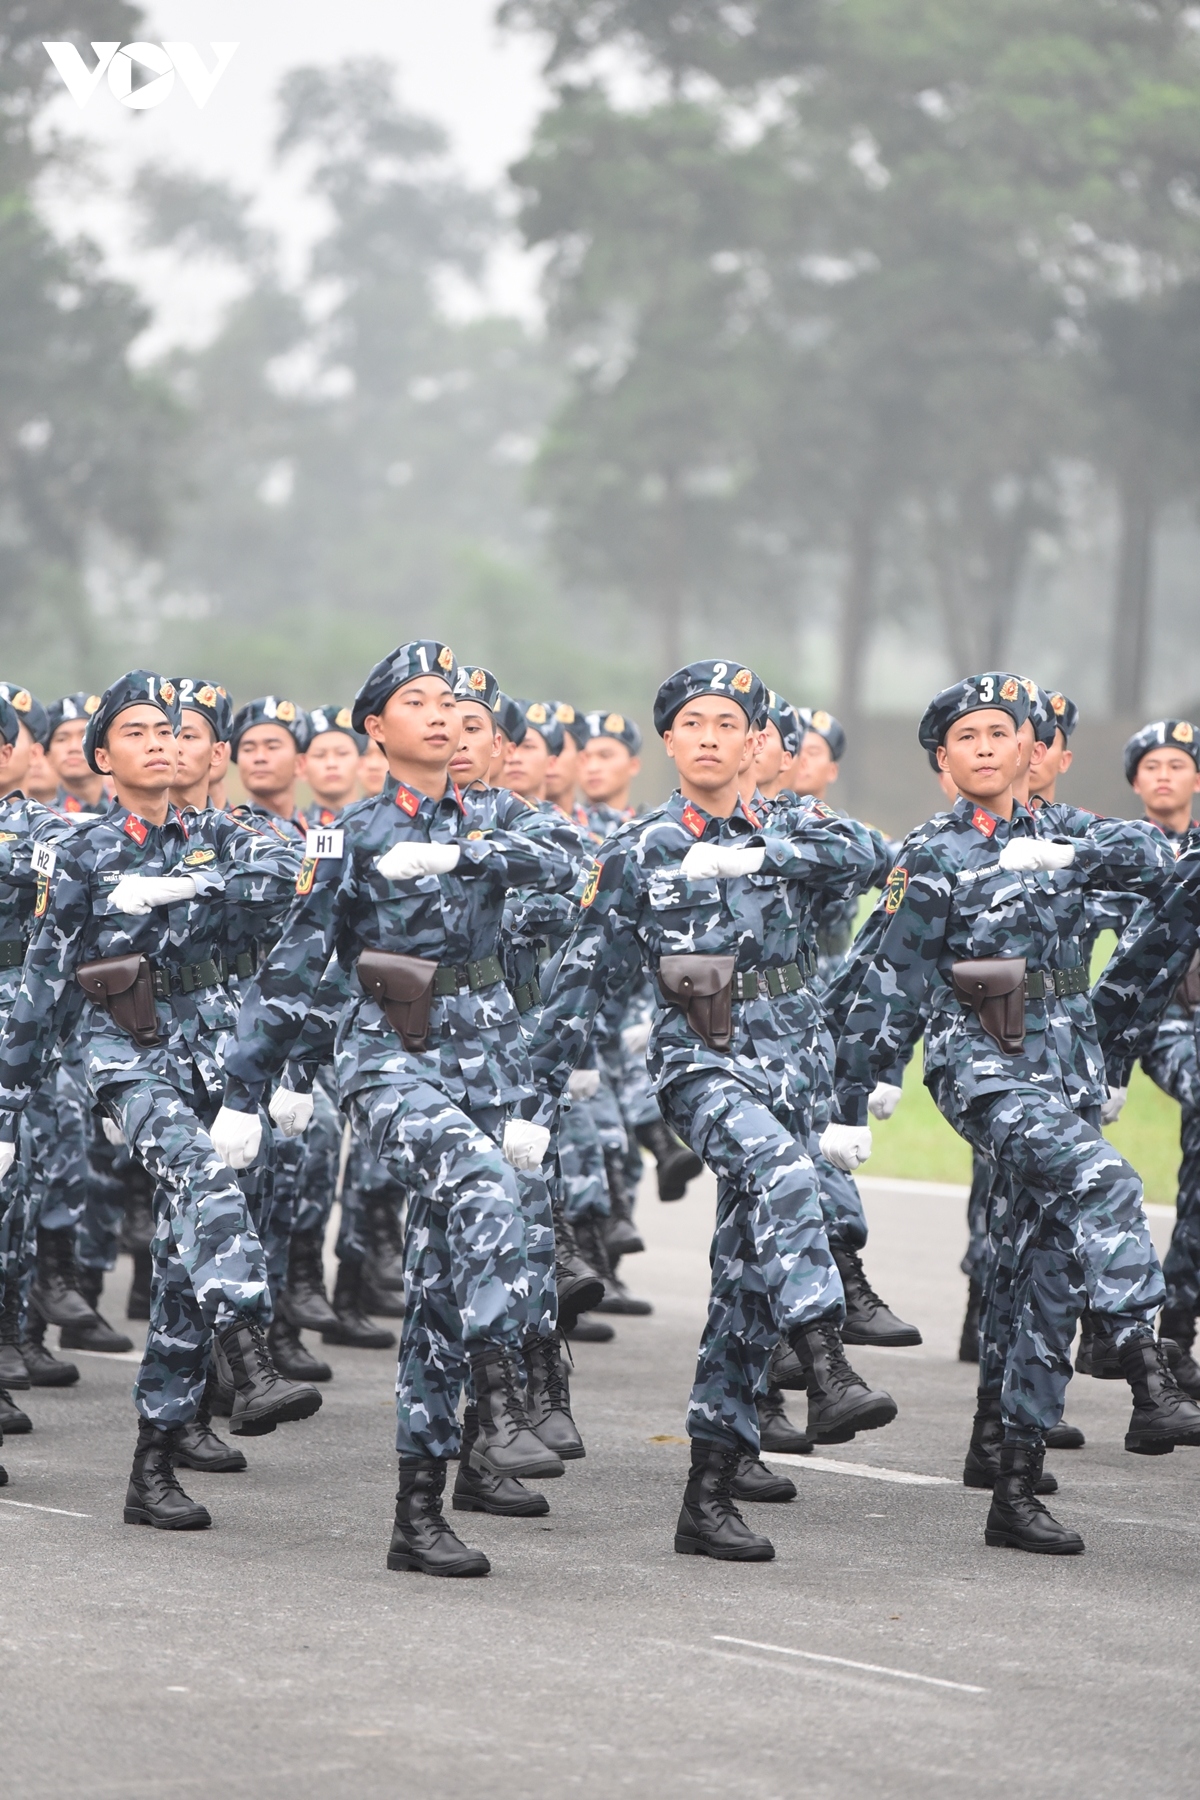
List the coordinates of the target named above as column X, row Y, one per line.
column 466, row 992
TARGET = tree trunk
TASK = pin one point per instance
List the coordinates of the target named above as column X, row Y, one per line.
column 857, row 604
column 955, row 624
column 1134, row 589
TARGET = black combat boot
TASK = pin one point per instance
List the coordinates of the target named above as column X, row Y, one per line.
column 305, row 1301
column 754, row 1481
column 13, row 1422
column 220, row 1391
column 968, row 1343
column 154, row 1496
column 839, row 1401
column 352, row 1325
column 622, row 1236
column 264, row 1398
column 785, row 1370
column 385, row 1253
column 13, row 1372
column 421, row 1537
column 677, row 1164
column 709, row 1522
column 548, row 1398
column 777, row 1435
column 1097, row 1355
column 1178, row 1326
column 478, row 1490
column 589, row 1331
column 982, row 1464
column 291, row 1355
column 198, row 1446
column 868, row 1320
column 507, row 1443
column 55, row 1291
column 1163, row 1416
column 137, row 1306
column 1065, row 1437
column 1017, row 1520
column 45, row 1370
column 580, row 1288
column 99, row 1335
column 616, row 1298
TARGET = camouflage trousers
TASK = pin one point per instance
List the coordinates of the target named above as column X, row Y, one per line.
column 317, row 1171
column 1174, row 1066
column 1067, row 1229
column 208, row 1263
column 99, row 1235
column 479, row 1250
column 841, row 1202
column 983, row 1173
column 16, row 1199
column 56, row 1123
column 368, row 1184
column 771, row 1264
column 581, row 1172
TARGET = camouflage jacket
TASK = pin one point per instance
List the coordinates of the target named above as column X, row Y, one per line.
column 1137, row 1000
column 948, row 900
column 638, row 907
column 343, row 905
column 834, row 914
column 28, row 832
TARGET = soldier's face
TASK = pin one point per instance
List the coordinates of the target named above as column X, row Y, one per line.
column 15, row 760
column 139, row 750
column 65, row 751
column 707, row 742
column 562, row 771
column 473, row 758
column 982, row 754
column 419, row 726
column 606, row 769
column 372, row 770
column 193, row 750
column 267, row 759
column 330, row 766
column 815, row 768
column 1056, row 761
column 771, row 761
column 1165, row 780
column 525, row 766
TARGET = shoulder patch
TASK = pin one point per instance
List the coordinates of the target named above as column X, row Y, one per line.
column 983, row 821
column 692, row 821
column 895, row 889
column 593, row 884
column 823, row 811
column 43, row 895
column 304, row 879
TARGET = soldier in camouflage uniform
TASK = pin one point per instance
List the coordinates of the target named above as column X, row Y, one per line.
column 1027, row 1095
column 696, row 879
column 129, row 916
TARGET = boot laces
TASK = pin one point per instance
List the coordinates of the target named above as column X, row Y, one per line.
column 864, row 1292
column 546, row 1352
column 725, row 1477
column 514, row 1392
column 841, row 1375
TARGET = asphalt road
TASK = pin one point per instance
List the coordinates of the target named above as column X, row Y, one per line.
column 885, row 1652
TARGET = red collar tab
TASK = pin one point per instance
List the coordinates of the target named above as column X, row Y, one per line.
column 458, row 799
column 751, row 815
column 71, row 804
column 407, row 802
column 693, row 821
column 327, row 817
column 983, row 821
column 134, row 828
column 182, row 823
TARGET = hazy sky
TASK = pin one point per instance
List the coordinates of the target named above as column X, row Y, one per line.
column 484, row 87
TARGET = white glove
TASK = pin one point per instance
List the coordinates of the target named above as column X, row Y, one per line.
column 847, row 1147
column 8, row 1156
column 236, row 1137
column 583, row 1084
column 524, row 1144
column 704, row 861
column 1030, row 856
column 404, row 861
column 1110, row 1109
column 884, row 1099
column 136, row 894
column 112, row 1132
column 634, row 1039
column 291, row 1111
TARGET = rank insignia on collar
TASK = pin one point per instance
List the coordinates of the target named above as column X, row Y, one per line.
column 593, row 882
column 72, row 805
column 822, row 811
column 327, row 817
column 408, row 803
column 895, row 889
column 304, row 880
column 134, row 828
column 751, row 815
column 983, row 821
column 692, row 821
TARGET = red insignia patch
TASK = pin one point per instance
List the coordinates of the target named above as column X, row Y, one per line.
column 134, row 828
column 692, row 821
column 983, row 821
column 72, row 805
column 751, row 815
column 407, row 802
column 327, row 817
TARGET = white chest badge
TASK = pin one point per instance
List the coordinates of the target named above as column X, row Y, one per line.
column 324, row 842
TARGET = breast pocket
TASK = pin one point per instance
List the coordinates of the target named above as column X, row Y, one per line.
column 680, row 912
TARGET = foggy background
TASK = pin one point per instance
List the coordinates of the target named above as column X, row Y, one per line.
column 857, row 342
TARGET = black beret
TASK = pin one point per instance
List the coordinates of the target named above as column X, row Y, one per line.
column 210, row 700
column 1041, row 712
column 786, row 720
column 139, row 688
column 268, row 710
column 1174, row 734
column 614, row 725
column 71, row 706
column 708, row 678
column 995, row 692
column 408, row 662
column 572, row 721
column 539, row 717
column 510, row 718
column 29, row 710
column 323, row 719
column 1066, row 713
column 479, row 685
column 10, row 724
column 826, row 726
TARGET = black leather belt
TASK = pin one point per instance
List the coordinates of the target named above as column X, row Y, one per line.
column 526, row 995
column 1040, row 982
column 188, row 977
column 755, row 984
column 11, row 956
column 457, row 978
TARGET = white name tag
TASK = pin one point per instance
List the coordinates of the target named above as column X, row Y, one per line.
column 43, row 859
column 324, row 842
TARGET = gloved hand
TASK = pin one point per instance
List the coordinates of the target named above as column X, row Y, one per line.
column 634, row 1038
column 884, row 1099
column 1032, row 856
column 8, row 1156
column 1110, row 1109
column 137, row 894
column 703, row 862
column 112, row 1132
column 236, row 1137
column 292, row 1112
column 583, row 1084
column 524, row 1144
column 404, row 861
column 847, row 1147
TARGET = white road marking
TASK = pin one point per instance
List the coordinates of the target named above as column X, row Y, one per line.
column 108, row 1355
column 866, row 1471
column 844, row 1662
column 28, row 1506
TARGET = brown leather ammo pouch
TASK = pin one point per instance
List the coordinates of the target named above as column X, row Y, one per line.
column 994, row 988
column 403, row 986
column 1188, row 992
column 703, row 987
column 125, row 984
